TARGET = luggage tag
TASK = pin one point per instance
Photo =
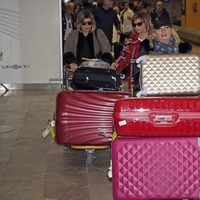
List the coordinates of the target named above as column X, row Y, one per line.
column 49, row 129
column 122, row 123
column 46, row 132
column 114, row 135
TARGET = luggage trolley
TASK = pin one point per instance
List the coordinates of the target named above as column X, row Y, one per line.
column 83, row 118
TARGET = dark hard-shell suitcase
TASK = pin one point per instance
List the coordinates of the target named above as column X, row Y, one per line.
column 156, row 168
column 178, row 116
column 87, row 78
column 85, row 117
column 171, row 75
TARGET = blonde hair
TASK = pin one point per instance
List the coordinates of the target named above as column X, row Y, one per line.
column 174, row 34
column 85, row 14
column 176, row 37
column 145, row 18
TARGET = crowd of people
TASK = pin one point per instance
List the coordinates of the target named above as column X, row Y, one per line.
column 141, row 30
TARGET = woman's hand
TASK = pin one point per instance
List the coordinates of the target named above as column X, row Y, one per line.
column 73, row 67
column 114, row 65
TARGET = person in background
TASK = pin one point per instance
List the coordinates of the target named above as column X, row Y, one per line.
column 86, row 42
column 87, row 5
column 137, row 45
column 77, row 9
column 116, row 36
column 135, row 6
column 144, row 7
column 166, row 39
column 69, row 20
column 106, row 17
column 126, row 16
column 158, row 11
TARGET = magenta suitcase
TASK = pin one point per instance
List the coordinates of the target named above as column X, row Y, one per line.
column 157, row 116
column 84, row 117
column 156, row 168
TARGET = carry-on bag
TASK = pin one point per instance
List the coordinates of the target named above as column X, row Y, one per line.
column 87, row 78
column 89, row 63
column 85, row 117
column 171, row 74
column 156, row 168
column 169, row 116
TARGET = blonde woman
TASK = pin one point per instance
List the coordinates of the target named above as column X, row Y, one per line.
column 166, row 39
column 86, row 42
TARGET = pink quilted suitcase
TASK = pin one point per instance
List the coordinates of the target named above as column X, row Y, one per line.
column 156, row 168
column 167, row 116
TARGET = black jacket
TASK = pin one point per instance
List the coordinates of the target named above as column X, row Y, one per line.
column 155, row 16
column 105, row 19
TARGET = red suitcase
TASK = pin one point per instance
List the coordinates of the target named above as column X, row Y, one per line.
column 157, row 117
column 84, row 117
column 156, row 168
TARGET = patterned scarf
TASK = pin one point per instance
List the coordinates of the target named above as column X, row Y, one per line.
column 162, row 48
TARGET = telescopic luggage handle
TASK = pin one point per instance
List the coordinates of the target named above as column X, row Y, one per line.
column 133, row 61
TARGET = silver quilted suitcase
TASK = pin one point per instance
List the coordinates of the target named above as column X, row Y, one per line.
column 170, row 75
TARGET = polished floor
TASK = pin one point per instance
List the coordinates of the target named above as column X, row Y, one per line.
column 33, row 168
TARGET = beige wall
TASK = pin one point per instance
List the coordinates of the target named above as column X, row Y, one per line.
column 192, row 19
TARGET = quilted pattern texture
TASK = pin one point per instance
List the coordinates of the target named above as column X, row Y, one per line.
column 84, row 117
column 158, row 168
column 171, row 75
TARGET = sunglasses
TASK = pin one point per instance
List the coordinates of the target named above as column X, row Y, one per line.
column 137, row 24
column 88, row 23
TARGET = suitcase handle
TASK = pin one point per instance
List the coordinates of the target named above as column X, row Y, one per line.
column 164, row 120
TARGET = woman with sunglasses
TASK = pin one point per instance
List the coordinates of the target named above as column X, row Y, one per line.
column 86, row 42
column 136, row 46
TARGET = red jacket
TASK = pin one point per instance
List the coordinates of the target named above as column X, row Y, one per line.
column 128, row 56
column 130, row 51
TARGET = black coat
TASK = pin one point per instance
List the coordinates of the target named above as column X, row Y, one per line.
column 155, row 16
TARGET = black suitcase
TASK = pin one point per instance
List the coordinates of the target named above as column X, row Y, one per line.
column 86, row 78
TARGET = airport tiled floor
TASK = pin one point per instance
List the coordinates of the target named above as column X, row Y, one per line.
column 33, row 168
